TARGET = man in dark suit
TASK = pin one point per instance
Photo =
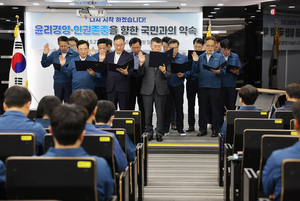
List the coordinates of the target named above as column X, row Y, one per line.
column 118, row 83
column 135, row 45
column 154, row 89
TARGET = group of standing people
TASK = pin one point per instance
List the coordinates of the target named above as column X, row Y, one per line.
column 151, row 84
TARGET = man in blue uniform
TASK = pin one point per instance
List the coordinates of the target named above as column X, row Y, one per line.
column 80, row 79
column 67, row 128
column 16, row 105
column 192, row 90
column 176, row 89
column 62, row 83
column 228, row 80
column 209, row 86
column 248, row 95
column 104, row 118
column 292, row 95
column 100, row 88
column 271, row 174
column 88, row 99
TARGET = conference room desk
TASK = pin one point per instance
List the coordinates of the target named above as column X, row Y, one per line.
column 266, row 100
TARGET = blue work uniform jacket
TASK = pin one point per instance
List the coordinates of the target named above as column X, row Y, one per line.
column 229, row 79
column 81, row 79
column 58, row 76
column 105, row 182
column 175, row 81
column 44, row 122
column 287, row 106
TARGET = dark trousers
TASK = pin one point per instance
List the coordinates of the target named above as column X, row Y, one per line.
column 228, row 97
column 101, row 93
column 173, row 113
column 212, row 96
column 176, row 94
column 63, row 91
column 160, row 102
column 135, row 94
column 119, row 97
column 191, row 91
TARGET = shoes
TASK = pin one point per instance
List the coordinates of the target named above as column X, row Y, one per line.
column 214, row 134
column 208, row 126
column 167, row 133
column 173, row 126
column 182, row 134
column 159, row 138
column 190, row 129
column 202, row 133
column 150, row 137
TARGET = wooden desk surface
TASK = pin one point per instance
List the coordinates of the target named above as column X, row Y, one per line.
column 270, row 91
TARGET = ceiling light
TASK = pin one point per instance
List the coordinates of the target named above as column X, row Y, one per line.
column 7, row 20
column 213, row 12
column 216, row 8
column 209, row 16
column 183, row 4
column 292, row 6
column 258, row 11
column 15, row 8
column 253, row 16
column 1, row 4
column 36, row 4
column 272, row 6
column 146, row 4
column 220, row 4
column 249, row 22
column 136, row 1
column 71, row 4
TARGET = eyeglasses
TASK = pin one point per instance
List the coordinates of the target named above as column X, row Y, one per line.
column 210, row 46
column 118, row 45
column 156, row 46
column 83, row 49
column 175, row 48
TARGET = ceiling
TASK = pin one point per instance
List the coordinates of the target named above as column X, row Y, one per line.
column 132, row 4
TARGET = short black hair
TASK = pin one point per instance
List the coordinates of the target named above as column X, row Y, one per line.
column 63, row 38
column 67, row 123
column 226, row 44
column 165, row 39
column 198, row 40
column 72, row 38
column 209, row 38
column 134, row 41
column 296, row 111
column 217, row 37
column 293, row 90
column 83, row 42
column 46, row 105
column 101, row 41
column 119, row 36
column 156, row 39
column 173, row 41
column 105, row 110
column 86, row 98
column 109, row 41
column 16, row 96
column 249, row 94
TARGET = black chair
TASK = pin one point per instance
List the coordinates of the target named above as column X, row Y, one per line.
column 56, row 178
column 240, row 124
column 140, row 170
column 287, row 116
column 128, row 124
column 292, row 124
column 290, row 179
column 16, row 144
column 250, row 185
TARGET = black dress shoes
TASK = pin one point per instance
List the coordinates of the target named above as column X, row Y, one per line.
column 190, row 129
column 202, row 133
column 214, row 134
column 159, row 138
column 150, row 137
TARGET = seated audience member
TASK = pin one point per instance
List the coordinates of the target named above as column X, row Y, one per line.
column 16, row 105
column 44, row 109
column 292, row 95
column 271, row 174
column 67, row 128
column 248, row 95
column 88, row 99
column 104, row 118
column 2, row 181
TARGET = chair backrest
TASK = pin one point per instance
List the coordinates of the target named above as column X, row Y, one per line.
column 137, row 121
column 270, row 143
column 292, row 124
column 249, row 185
column 241, row 124
column 120, row 135
column 56, row 178
column 252, row 146
column 231, row 115
column 286, row 116
column 32, row 114
column 94, row 144
column 128, row 124
column 16, row 144
column 290, row 179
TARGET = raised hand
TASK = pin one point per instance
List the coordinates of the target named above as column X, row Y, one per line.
column 141, row 58
column 102, row 56
column 62, row 60
column 46, row 48
column 184, row 53
column 54, row 49
column 195, row 56
column 92, row 51
column 123, row 71
column 163, row 69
